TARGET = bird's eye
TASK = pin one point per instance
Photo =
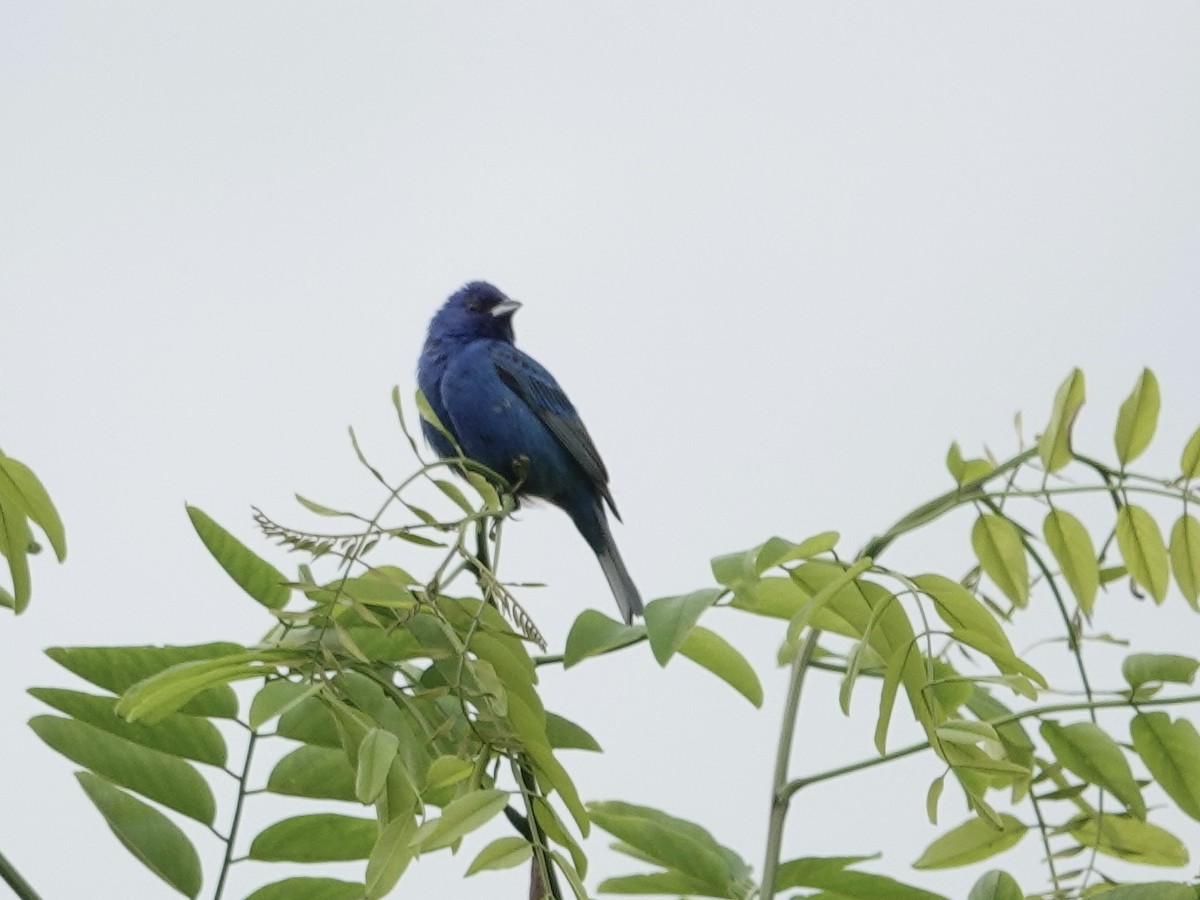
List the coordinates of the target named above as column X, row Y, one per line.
column 473, row 306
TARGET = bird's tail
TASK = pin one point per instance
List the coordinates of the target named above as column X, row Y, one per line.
column 628, row 597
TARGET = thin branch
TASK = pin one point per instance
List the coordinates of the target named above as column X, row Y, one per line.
column 938, row 506
column 783, row 754
column 1124, row 702
column 227, row 862
column 13, row 879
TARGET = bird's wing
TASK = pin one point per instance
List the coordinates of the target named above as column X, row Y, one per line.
column 530, row 381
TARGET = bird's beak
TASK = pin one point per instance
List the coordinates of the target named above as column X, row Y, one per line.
column 505, row 307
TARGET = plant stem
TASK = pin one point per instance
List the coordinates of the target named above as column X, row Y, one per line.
column 542, row 873
column 938, row 506
column 21, row 887
column 783, row 755
column 227, row 862
column 795, row 785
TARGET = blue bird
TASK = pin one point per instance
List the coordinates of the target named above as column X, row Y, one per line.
column 508, row 413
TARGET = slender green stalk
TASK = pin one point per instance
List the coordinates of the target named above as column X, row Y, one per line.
column 21, row 888
column 797, row 784
column 939, row 506
column 231, row 840
column 543, row 874
column 783, row 755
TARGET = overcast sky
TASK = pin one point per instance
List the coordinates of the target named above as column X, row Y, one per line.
column 780, row 255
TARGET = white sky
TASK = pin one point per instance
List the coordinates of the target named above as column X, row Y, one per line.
column 780, row 256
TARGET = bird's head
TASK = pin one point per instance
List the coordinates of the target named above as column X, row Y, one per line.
column 476, row 310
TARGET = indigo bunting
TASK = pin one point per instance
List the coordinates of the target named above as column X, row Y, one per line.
column 508, row 413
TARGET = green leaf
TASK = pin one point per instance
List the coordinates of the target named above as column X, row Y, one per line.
column 887, row 695
column 1131, row 840
column 825, row 594
column 569, row 873
column 1143, row 550
column 1171, row 751
column 669, row 882
column 831, row 874
column 1072, row 547
column 23, row 489
column 554, row 829
column 502, row 853
column 177, row 735
column 1190, row 462
column 1054, row 445
column 672, row 843
column 669, row 619
column 595, row 633
column 445, row 771
column 997, row 544
column 1150, row 890
column 551, row 769
column 996, row 885
column 314, row 507
column 1087, row 750
column 1143, row 668
column 117, row 669
column 319, row 773
column 309, row 722
column 172, row 689
column 776, row 551
column 964, row 471
column 391, row 855
column 456, row 496
column 776, row 596
column 714, row 653
column 1137, row 419
column 14, row 545
column 275, row 698
column 322, row 837
column 146, row 833
column 973, row 624
column 375, row 755
column 309, row 889
column 155, row 775
column 971, row 842
column 461, row 817
column 254, row 575
column 563, row 734
column 933, row 796
column 968, row 733
column 1185, row 558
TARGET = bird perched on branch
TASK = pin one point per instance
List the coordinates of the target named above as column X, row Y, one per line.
column 508, row 413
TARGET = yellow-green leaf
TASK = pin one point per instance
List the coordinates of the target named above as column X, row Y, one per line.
column 1054, row 445
column 1185, row 557
column 460, row 817
column 1087, row 750
column 996, row 885
column 1072, row 547
column 964, row 471
column 1137, row 419
column 708, row 649
column 1143, row 550
column 1171, row 751
column 390, row 856
column 254, row 575
column 502, row 853
column 997, row 544
column 1131, row 840
column 970, row 842
column 1190, row 462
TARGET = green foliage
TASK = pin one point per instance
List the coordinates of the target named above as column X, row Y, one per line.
column 416, row 697
column 24, row 501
